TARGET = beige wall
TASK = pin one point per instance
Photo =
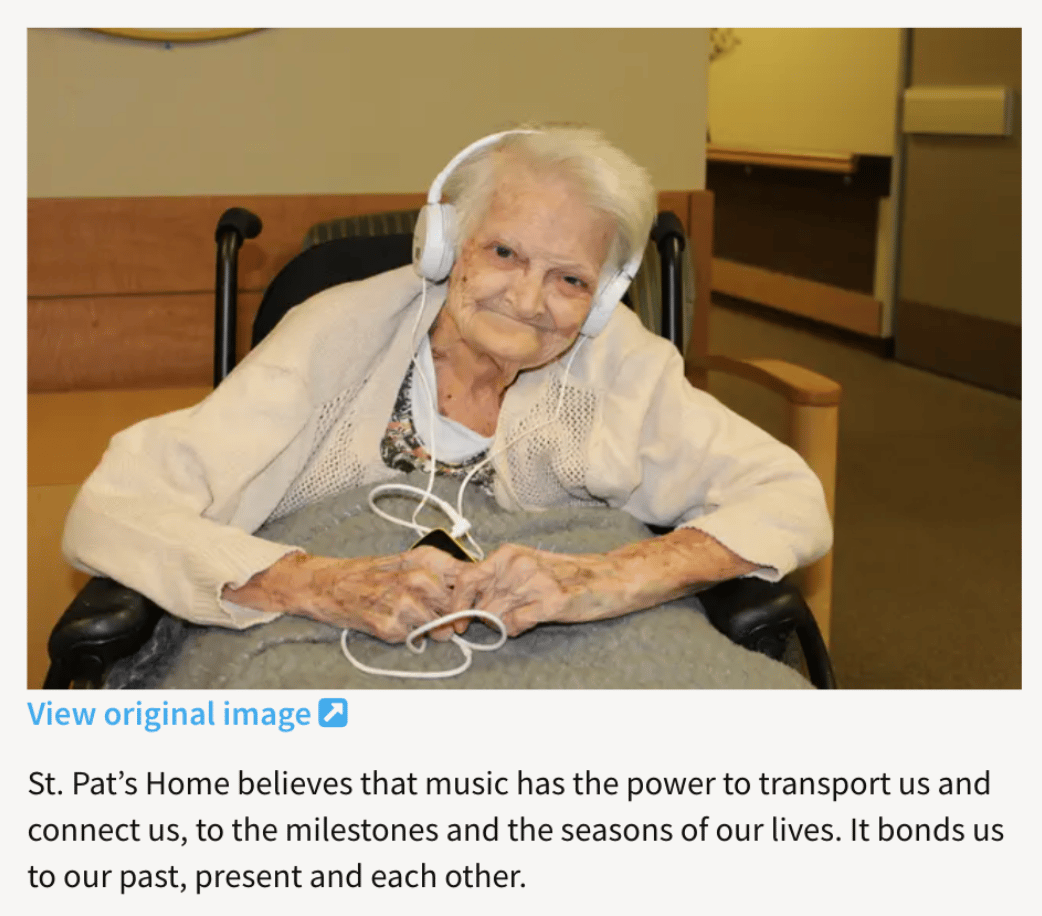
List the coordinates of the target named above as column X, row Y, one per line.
column 345, row 110
column 827, row 90
column 961, row 231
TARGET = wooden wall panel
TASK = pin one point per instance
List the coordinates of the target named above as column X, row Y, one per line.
column 677, row 201
column 69, row 431
column 114, row 246
column 126, row 245
column 121, row 291
column 156, row 341
column 971, row 348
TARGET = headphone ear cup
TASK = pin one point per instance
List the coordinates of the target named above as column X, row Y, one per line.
column 434, row 241
column 604, row 302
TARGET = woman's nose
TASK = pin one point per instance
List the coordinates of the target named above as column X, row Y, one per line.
column 528, row 295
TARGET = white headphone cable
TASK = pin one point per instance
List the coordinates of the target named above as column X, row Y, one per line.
column 460, row 527
column 467, row 647
column 557, row 413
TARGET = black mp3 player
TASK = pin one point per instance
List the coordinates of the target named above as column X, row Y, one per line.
column 442, row 540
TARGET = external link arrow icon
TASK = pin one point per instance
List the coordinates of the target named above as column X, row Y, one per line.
column 332, row 712
column 336, row 708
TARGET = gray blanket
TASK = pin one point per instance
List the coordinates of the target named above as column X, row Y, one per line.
column 671, row 646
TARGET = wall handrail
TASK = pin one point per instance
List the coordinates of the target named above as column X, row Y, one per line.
column 837, row 163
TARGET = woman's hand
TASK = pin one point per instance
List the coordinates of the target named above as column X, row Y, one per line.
column 523, row 586
column 386, row 597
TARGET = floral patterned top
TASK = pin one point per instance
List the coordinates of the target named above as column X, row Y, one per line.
column 402, row 450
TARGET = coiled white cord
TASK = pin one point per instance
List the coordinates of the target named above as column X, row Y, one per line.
column 467, row 647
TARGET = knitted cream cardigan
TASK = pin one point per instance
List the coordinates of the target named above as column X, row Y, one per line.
column 170, row 509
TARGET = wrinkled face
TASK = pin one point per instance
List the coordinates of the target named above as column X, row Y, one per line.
column 523, row 284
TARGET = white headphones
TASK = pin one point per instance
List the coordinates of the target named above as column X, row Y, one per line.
column 435, row 236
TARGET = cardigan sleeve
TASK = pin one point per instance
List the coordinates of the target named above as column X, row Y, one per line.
column 169, row 509
column 673, row 455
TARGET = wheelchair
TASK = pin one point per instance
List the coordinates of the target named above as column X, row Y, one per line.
column 107, row 621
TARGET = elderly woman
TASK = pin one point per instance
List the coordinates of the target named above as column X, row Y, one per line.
column 354, row 385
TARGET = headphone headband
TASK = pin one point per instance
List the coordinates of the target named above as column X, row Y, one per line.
column 434, row 194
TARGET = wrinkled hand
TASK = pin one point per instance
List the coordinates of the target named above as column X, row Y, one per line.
column 387, row 597
column 524, row 586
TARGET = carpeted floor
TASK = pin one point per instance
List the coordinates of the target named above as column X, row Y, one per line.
column 928, row 512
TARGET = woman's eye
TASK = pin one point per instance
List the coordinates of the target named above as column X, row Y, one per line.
column 503, row 252
column 577, row 282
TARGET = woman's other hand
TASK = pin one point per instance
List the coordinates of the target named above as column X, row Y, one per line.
column 387, row 597
column 524, row 586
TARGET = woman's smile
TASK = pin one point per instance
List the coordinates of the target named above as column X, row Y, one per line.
column 501, row 311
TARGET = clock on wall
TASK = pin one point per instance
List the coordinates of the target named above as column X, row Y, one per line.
column 176, row 36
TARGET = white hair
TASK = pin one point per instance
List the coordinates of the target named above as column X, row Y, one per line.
column 609, row 180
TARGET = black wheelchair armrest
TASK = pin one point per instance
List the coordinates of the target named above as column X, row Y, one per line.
column 762, row 616
column 105, row 622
